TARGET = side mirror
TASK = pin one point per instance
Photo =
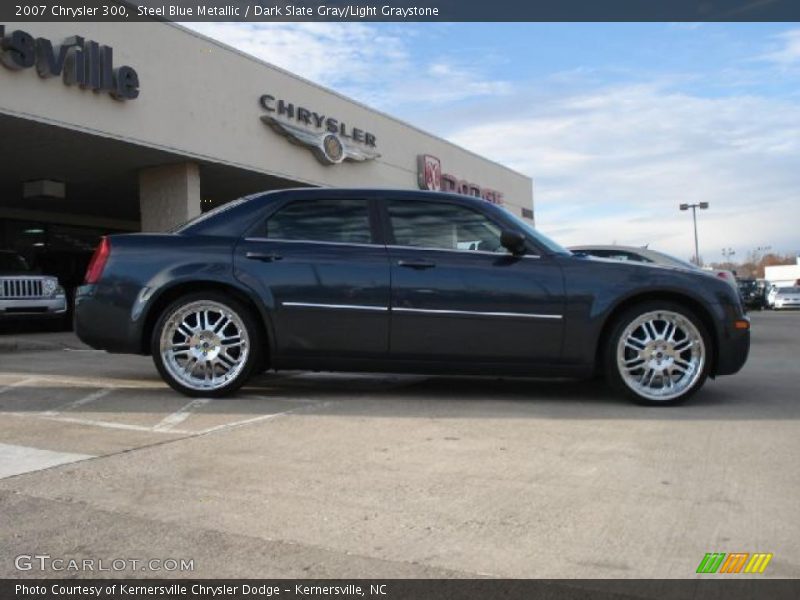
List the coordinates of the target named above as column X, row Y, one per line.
column 513, row 241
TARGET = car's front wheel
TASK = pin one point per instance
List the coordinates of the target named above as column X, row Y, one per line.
column 658, row 353
column 206, row 344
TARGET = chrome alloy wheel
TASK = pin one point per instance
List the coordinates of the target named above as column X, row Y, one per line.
column 204, row 345
column 661, row 355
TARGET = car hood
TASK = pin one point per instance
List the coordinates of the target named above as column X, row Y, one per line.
column 661, row 276
column 640, row 265
column 25, row 275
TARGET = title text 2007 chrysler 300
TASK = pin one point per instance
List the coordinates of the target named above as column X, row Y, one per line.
column 382, row 280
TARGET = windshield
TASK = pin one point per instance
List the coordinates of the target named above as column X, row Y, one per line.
column 206, row 215
column 540, row 237
column 789, row 290
column 13, row 263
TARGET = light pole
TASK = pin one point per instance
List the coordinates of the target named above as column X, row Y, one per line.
column 727, row 253
column 694, row 207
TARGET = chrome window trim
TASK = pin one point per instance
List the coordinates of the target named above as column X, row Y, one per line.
column 467, row 252
column 284, row 241
column 435, row 311
column 389, row 246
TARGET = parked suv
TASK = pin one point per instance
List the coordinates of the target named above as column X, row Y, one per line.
column 24, row 293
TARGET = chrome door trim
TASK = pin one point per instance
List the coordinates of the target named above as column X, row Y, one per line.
column 433, row 311
column 336, row 306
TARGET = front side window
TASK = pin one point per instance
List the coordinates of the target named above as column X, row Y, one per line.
column 328, row 220
column 442, row 225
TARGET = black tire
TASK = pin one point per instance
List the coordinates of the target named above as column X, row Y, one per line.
column 613, row 367
column 249, row 365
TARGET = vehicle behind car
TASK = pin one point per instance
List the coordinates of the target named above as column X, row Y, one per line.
column 752, row 293
column 26, row 294
column 787, row 297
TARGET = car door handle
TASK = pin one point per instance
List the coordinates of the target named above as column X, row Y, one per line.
column 264, row 256
column 416, row 264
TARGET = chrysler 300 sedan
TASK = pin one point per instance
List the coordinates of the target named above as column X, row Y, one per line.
column 400, row 281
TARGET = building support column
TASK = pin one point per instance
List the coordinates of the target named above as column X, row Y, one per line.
column 168, row 195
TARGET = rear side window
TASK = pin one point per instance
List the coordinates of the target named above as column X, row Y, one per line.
column 442, row 225
column 328, row 220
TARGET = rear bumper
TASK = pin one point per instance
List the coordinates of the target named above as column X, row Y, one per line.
column 33, row 307
column 103, row 323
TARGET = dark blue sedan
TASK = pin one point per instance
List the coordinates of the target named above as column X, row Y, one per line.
column 401, row 281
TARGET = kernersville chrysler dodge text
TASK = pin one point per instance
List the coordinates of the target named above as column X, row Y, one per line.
column 400, row 281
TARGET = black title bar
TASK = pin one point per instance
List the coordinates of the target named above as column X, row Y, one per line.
column 399, row 10
column 732, row 588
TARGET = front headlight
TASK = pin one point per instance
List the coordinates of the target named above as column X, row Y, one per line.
column 49, row 287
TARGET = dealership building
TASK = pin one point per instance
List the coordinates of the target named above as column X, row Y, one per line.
column 111, row 127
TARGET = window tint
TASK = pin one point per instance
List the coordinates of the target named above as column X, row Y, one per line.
column 345, row 221
column 448, row 226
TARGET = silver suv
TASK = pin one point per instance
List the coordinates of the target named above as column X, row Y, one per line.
column 24, row 293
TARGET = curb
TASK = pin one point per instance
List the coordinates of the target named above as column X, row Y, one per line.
column 15, row 345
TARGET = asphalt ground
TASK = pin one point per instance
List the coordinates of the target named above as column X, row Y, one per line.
column 352, row 475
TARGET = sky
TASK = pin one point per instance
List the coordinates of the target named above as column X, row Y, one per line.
column 617, row 124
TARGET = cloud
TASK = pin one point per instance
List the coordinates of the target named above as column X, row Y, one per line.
column 614, row 163
column 369, row 63
column 787, row 50
column 612, row 151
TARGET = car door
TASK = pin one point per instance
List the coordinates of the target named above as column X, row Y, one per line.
column 458, row 295
column 323, row 275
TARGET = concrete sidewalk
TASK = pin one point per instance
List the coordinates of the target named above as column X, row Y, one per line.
column 40, row 342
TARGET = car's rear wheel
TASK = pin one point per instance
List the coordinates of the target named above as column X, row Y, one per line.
column 658, row 353
column 206, row 344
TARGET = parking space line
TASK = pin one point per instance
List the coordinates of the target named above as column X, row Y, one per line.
column 96, row 395
column 16, row 460
column 16, row 384
column 224, row 426
column 169, row 422
column 106, row 424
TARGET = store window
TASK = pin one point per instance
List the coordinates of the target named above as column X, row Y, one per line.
column 51, row 249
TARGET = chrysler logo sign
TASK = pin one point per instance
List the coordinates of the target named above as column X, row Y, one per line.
column 332, row 141
column 430, row 177
column 83, row 63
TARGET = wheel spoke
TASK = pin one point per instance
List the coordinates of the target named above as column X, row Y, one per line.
column 205, row 345
column 660, row 355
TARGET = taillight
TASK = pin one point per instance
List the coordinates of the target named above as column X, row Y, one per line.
column 722, row 275
column 98, row 262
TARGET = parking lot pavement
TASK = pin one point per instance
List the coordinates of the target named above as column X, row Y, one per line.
column 328, row 475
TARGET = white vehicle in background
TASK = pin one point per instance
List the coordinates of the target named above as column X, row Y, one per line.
column 786, row 297
column 24, row 293
column 646, row 255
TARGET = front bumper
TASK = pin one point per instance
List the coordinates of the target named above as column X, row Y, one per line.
column 33, row 307
column 779, row 304
column 734, row 348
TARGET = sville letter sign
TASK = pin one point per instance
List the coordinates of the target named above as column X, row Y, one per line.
column 86, row 64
